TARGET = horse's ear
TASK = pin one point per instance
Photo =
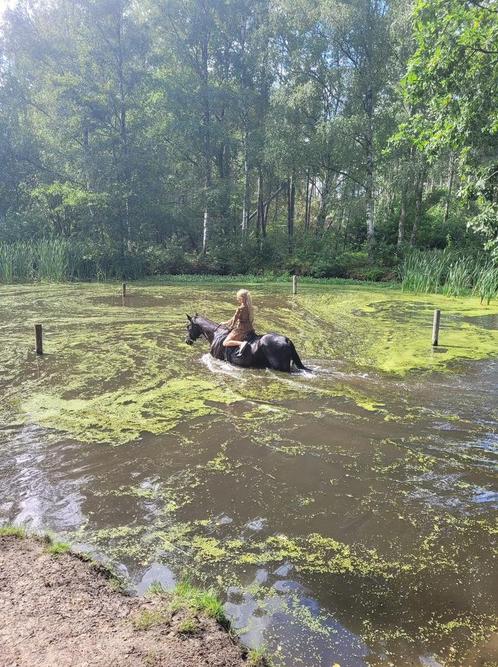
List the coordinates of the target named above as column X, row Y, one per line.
column 189, row 318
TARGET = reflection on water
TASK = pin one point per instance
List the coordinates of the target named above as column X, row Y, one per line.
column 347, row 515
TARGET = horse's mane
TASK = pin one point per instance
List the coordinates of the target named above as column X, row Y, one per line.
column 206, row 320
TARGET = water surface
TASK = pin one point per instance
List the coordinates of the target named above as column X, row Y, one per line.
column 346, row 515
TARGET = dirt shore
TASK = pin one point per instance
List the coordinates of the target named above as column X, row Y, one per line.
column 56, row 609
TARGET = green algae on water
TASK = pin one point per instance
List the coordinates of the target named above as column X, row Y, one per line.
column 391, row 331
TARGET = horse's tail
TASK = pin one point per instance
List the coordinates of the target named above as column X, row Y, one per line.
column 295, row 357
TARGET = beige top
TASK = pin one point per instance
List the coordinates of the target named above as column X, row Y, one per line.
column 241, row 321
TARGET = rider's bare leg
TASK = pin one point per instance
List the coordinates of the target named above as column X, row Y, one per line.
column 233, row 343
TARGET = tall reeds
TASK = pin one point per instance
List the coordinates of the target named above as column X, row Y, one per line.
column 27, row 261
column 446, row 272
column 58, row 260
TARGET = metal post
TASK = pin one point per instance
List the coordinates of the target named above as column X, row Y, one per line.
column 294, row 284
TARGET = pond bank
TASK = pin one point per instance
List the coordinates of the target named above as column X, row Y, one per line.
column 57, row 609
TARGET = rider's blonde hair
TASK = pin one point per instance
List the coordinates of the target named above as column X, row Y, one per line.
column 245, row 295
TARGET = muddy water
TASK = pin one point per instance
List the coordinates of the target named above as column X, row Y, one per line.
column 346, row 515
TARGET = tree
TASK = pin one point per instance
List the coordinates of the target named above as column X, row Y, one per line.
column 452, row 87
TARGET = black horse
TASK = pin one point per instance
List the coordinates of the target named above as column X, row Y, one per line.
column 268, row 351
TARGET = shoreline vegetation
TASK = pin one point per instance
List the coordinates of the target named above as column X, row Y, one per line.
column 72, row 607
column 422, row 272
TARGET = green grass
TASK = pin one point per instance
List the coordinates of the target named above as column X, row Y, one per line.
column 256, row 658
column 58, row 548
column 150, row 618
column 486, row 282
column 188, row 626
column 13, row 531
column 196, row 599
column 28, row 261
column 156, row 589
column 448, row 273
column 52, row 261
column 252, row 279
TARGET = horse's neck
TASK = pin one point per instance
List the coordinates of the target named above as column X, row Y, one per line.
column 208, row 327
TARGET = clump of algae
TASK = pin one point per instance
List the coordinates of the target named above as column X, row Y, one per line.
column 390, row 331
column 118, row 417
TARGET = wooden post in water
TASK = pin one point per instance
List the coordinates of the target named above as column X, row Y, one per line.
column 124, row 290
column 435, row 327
column 294, row 284
column 39, row 338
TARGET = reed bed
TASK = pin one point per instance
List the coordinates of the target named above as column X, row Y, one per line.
column 25, row 261
column 59, row 260
column 446, row 272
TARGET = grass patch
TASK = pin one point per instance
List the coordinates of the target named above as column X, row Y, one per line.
column 256, row 658
column 13, row 531
column 156, row 588
column 251, row 279
column 58, row 548
column 148, row 619
column 188, row 626
column 196, row 599
column 449, row 273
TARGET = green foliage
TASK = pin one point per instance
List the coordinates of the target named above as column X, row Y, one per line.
column 188, row 626
column 125, row 127
column 58, row 548
column 12, row 531
column 147, row 619
column 449, row 273
column 25, row 261
column 156, row 588
column 451, row 85
column 196, row 599
column 256, row 658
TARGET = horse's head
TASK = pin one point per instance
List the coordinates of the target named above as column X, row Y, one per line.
column 194, row 330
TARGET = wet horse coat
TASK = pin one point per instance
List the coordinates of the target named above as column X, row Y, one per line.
column 268, row 351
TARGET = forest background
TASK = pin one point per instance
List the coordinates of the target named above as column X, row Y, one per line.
column 331, row 138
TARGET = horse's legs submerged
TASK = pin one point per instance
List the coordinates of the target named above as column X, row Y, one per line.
column 279, row 359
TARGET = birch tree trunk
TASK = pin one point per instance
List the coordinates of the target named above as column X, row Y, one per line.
column 451, row 173
column 124, row 167
column 402, row 217
column 369, row 185
column 307, row 203
column 245, row 199
column 206, row 120
column 291, row 199
column 418, row 205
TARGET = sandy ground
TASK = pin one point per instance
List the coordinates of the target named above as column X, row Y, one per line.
column 58, row 610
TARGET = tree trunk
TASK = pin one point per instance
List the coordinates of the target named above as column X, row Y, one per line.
column 264, row 219
column 260, row 206
column 291, row 200
column 245, row 200
column 322, row 211
column 418, row 205
column 402, row 217
column 124, row 168
column 369, row 185
column 451, row 173
column 307, row 206
column 206, row 120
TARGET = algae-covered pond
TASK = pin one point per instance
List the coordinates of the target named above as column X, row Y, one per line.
column 346, row 515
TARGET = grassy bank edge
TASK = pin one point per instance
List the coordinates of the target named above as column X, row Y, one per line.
column 278, row 280
column 184, row 597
